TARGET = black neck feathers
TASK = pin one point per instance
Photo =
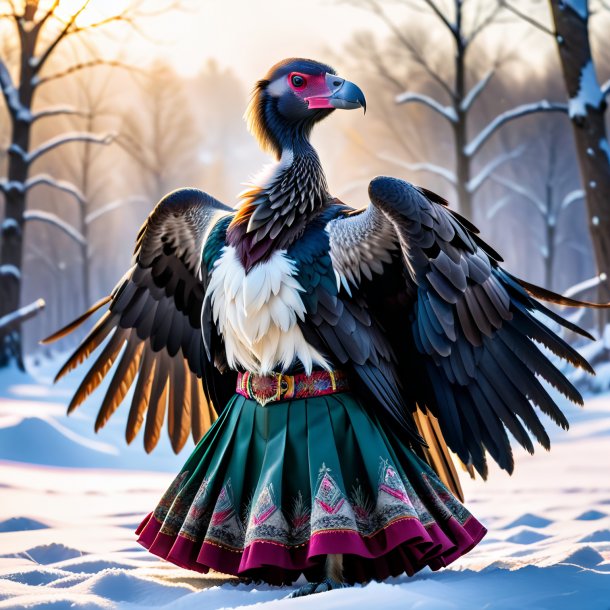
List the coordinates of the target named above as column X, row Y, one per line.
column 274, row 215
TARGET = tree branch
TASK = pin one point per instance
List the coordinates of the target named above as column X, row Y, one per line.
column 53, row 143
column 476, row 90
column 38, row 62
column 47, row 15
column 475, row 183
column 11, row 96
column 431, row 168
column 499, row 205
column 113, row 205
column 450, row 26
column 484, row 23
column 60, row 185
column 523, row 192
column 57, row 222
column 447, row 112
column 9, row 321
column 56, row 111
column 82, row 66
column 525, row 17
column 571, row 198
column 510, row 115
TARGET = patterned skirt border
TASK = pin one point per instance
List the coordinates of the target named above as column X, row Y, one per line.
column 403, row 546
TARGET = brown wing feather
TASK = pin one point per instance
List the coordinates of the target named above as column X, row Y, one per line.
column 102, row 365
column 66, row 330
column 552, row 297
column 121, row 380
column 156, row 307
column 141, row 395
column 90, row 343
column 436, row 453
column 156, row 408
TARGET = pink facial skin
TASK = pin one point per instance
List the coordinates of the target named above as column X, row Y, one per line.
column 315, row 91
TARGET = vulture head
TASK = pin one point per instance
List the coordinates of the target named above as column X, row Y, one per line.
column 294, row 95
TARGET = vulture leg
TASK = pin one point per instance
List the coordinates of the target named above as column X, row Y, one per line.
column 333, row 580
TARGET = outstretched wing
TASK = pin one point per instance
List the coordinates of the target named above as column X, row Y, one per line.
column 463, row 330
column 153, row 328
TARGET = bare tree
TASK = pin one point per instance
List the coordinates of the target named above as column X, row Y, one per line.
column 587, row 110
column 41, row 33
column 452, row 99
column 162, row 136
column 548, row 203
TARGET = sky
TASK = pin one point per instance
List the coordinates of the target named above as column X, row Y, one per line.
column 247, row 35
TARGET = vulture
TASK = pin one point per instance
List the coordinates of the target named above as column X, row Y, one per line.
column 332, row 364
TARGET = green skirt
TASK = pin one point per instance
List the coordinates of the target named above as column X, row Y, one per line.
column 270, row 491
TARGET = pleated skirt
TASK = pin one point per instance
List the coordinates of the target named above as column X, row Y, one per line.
column 270, row 491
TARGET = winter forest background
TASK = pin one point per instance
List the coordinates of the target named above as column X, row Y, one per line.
column 106, row 105
column 467, row 98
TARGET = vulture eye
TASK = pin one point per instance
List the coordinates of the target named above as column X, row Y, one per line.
column 297, row 81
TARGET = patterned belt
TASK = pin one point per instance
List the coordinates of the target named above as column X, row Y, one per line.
column 277, row 386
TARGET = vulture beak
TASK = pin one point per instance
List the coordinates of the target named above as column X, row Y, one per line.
column 340, row 93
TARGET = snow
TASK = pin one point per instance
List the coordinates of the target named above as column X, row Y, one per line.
column 9, row 224
column 577, row 289
column 67, row 541
column 476, row 90
column 10, row 270
column 589, row 93
column 580, row 7
column 603, row 144
column 21, row 314
column 438, row 170
column 11, row 185
column 448, row 112
column 57, row 222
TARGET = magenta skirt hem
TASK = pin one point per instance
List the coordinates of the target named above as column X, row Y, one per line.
column 403, row 546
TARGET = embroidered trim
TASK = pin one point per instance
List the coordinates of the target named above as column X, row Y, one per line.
column 274, row 388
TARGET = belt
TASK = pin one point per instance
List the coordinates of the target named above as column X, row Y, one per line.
column 277, row 386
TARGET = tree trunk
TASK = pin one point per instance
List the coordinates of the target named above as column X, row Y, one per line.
column 11, row 253
column 587, row 108
column 462, row 160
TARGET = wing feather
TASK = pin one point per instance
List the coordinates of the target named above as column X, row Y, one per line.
column 463, row 331
column 155, row 316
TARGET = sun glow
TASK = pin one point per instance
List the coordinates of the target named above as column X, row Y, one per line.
column 91, row 11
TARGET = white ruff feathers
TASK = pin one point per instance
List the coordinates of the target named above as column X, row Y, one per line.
column 257, row 313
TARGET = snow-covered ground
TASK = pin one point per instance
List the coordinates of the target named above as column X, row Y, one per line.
column 70, row 500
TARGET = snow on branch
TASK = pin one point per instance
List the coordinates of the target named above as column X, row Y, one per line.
column 572, row 197
column 499, row 205
column 606, row 89
column 511, row 115
column 113, row 205
column 60, row 185
column 37, row 81
column 475, row 183
column 9, row 321
column 57, row 222
column 522, row 191
column 53, row 143
column 446, row 112
column 589, row 92
column 580, row 7
column 431, row 168
column 585, row 285
column 56, row 111
column 472, row 95
column 11, row 95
